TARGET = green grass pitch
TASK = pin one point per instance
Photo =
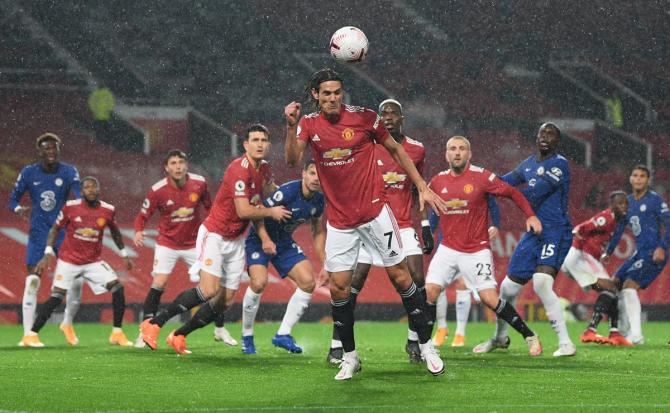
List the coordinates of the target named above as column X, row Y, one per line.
column 95, row 377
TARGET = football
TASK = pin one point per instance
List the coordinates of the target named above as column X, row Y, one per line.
column 349, row 44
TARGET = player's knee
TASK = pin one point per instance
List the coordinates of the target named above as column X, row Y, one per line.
column 339, row 292
column 209, row 290
column 307, row 285
column 258, row 285
column 542, row 283
column 209, row 284
column 160, row 281
column 399, row 276
column 432, row 292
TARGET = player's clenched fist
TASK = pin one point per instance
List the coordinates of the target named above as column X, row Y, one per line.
column 292, row 113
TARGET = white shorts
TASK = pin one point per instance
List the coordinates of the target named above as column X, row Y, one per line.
column 380, row 234
column 97, row 274
column 475, row 267
column 410, row 246
column 583, row 268
column 223, row 258
column 165, row 259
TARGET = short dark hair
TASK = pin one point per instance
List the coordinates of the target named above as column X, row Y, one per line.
column 175, row 152
column 308, row 163
column 641, row 168
column 47, row 137
column 90, row 178
column 318, row 77
column 256, row 127
column 616, row 194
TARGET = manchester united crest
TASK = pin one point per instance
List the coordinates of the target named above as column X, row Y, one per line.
column 101, row 222
column 348, row 134
column 468, row 189
column 193, row 197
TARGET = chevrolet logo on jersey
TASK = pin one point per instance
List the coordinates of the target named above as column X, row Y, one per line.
column 182, row 212
column 336, row 153
column 87, row 232
column 393, row 177
column 456, row 203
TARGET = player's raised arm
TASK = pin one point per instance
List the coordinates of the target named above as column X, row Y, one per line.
column 426, row 195
column 293, row 148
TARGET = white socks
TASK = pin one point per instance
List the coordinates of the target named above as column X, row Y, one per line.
column 633, row 310
column 543, row 284
column 249, row 310
column 463, row 303
column 624, row 325
column 30, row 302
column 508, row 292
column 73, row 300
column 294, row 310
column 441, row 310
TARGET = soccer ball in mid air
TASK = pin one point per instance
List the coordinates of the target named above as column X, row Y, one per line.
column 349, row 44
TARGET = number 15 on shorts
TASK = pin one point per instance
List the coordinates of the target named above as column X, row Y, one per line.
column 548, row 250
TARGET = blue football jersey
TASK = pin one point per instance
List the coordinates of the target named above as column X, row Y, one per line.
column 302, row 209
column 548, row 186
column 48, row 192
column 647, row 217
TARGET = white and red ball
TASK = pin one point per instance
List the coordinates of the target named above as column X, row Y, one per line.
column 349, row 44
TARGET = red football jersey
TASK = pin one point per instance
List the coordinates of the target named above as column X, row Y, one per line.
column 344, row 153
column 465, row 225
column 84, row 229
column 179, row 210
column 398, row 184
column 595, row 233
column 241, row 180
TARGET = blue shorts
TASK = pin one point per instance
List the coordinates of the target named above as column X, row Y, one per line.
column 37, row 241
column 549, row 248
column 641, row 268
column 288, row 255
